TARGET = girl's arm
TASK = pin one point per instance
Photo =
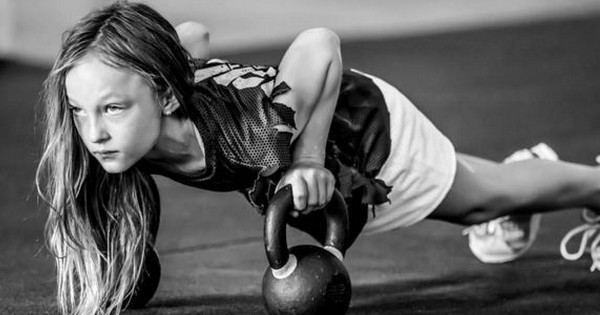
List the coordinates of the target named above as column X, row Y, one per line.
column 312, row 67
column 194, row 37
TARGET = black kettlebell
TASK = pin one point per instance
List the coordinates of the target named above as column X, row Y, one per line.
column 306, row 279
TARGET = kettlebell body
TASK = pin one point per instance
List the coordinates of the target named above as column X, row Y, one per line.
column 305, row 280
column 320, row 284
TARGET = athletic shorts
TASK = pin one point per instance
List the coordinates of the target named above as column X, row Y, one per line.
column 420, row 168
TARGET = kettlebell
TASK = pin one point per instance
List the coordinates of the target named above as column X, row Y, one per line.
column 305, row 279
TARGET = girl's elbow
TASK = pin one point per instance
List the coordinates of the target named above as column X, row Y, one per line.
column 192, row 31
column 194, row 37
column 321, row 38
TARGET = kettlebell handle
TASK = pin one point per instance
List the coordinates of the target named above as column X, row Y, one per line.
column 275, row 236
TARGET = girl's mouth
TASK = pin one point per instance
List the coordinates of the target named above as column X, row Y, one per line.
column 105, row 154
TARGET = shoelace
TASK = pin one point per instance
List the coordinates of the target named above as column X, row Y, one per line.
column 587, row 231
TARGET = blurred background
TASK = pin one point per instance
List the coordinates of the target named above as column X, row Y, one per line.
column 30, row 30
column 493, row 75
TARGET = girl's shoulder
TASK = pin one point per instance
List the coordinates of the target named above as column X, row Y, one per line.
column 234, row 101
column 225, row 73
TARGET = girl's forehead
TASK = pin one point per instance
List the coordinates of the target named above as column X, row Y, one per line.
column 93, row 67
column 93, row 77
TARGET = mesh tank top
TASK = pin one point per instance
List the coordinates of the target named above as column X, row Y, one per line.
column 232, row 107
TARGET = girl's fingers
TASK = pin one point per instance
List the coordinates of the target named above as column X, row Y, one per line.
column 323, row 193
column 320, row 192
column 299, row 194
column 313, row 199
column 310, row 190
column 326, row 189
column 330, row 188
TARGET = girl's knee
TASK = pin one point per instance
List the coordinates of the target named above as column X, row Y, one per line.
column 469, row 213
column 474, row 197
column 485, row 211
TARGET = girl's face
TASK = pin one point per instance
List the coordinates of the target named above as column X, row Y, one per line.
column 116, row 113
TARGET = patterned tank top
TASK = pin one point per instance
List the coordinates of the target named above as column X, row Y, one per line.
column 232, row 107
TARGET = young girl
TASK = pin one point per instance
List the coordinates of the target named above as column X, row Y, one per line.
column 125, row 100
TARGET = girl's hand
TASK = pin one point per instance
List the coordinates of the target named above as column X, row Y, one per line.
column 312, row 186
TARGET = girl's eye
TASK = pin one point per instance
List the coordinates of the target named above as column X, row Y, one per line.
column 76, row 110
column 113, row 109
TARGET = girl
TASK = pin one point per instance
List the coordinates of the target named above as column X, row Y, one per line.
column 124, row 100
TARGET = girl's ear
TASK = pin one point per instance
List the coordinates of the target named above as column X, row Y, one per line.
column 170, row 104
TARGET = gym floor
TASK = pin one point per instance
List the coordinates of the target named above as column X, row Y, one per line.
column 491, row 90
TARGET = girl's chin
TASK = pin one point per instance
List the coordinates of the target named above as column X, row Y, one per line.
column 113, row 167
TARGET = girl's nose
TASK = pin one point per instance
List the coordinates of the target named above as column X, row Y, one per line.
column 97, row 132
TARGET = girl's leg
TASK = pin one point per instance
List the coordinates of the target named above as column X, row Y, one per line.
column 484, row 190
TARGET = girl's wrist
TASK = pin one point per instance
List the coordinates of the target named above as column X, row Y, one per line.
column 309, row 160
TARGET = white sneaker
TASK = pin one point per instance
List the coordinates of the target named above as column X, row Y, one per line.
column 507, row 238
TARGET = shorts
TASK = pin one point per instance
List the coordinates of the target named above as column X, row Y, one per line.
column 420, row 168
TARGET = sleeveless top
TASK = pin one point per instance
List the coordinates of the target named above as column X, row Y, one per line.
column 232, row 107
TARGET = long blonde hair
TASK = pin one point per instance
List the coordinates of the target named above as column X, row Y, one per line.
column 99, row 223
